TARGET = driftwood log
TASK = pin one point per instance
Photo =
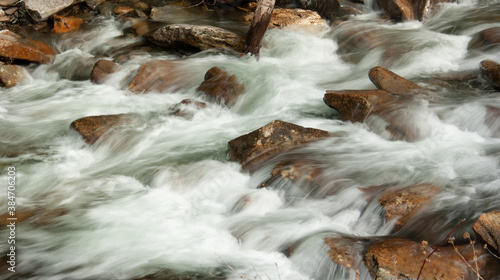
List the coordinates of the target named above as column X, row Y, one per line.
column 258, row 27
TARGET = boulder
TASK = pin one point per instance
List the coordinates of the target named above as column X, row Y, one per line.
column 13, row 47
column 257, row 147
column 94, row 127
column 356, row 105
column 66, row 24
column 399, row 10
column 346, row 251
column 11, row 75
column 41, row 10
column 102, row 69
column 488, row 227
column 485, row 40
column 281, row 18
column 354, row 42
column 221, row 86
column 490, row 71
column 187, row 108
column 402, row 259
column 403, row 203
column 196, row 37
column 158, row 76
column 391, row 82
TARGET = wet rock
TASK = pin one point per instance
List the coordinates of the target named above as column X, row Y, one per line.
column 196, row 37
column 94, row 127
column 41, row 10
column 295, row 169
column 354, row 42
column 14, row 47
column 42, row 216
column 221, row 86
column 102, row 69
column 485, row 40
column 356, row 105
column 492, row 120
column 490, row 70
column 158, row 76
column 66, row 24
column 121, row 10
column 402, row 203
column 488, row 227
column 346, row 251
column 402, row 259
column 391, row 82
column 291, row 17
column 11, row 75
column 399, row 10
column 256, row 147
column 187, row 108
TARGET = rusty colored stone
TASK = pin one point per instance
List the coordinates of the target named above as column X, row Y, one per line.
column 14, row 47
column 356, row 105
column 197, row 37
column 256, row 147
column 11, row 75
column 403, row 203
column 399, row 10
column 120, row 10
column 346, row 251
column 93, row 127
column 157, row 76
column 66, row 24
column 391, row 82
column 221, row 86
column 102, row 69
column 296, row 169
column 490, row 70
column 488, row 227
column 281, row 18
column 485, row 39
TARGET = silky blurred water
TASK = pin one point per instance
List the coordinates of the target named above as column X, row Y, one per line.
column 162, row 195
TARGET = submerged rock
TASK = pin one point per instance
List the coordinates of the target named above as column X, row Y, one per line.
column 346, row 251
column 221, row 86
column 403, row 203
column 257, row 147
column 281, row 18
column 157, row 76
column 488, row 227
column 94, row 127
column 66, row 24
column 13, row 47
column 41, row 10
column 391, row 82
column 102, row 69
column 196, row 37
column 187, row 108
column 399, row 10
column 490, row 71
column 11, row 75
column 485, row 40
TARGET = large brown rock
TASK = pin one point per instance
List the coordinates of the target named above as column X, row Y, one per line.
column 41, row 10
column 346, row 251
column 356, row 105
column 13, row 47
column 488, row 227
column 256, row 147
column 66, row 24
column 197, row 37
column 403, row 203
column 102, row 69
column 399, row 10
column 391, row 82
column 94, row 127
column 490, row 70
column 281, row 18
column 157, row 76
column 403, row 259
column 485, row 40
column 11, row 75
column 221, row 86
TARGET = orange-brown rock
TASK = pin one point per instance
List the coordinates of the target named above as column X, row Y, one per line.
column 356, row 105
column 195, row 37
column 399, row 10
column 94, row 127
column 402, row 203
column 13, row 47
column 281, row 18
column 391, row 82
column 485, row 40
column 11, row 75
column 402, row 259
column 66, row 24
column 187, row 108
column 102, row 69
column 158, row 76
column 41, row 216
column 346, row 251
column 488, row 227
column 120, row 10
column 490, row 70
column 255, row 148
column 221, row 86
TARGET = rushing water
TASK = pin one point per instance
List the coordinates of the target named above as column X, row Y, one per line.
column 161, row 195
